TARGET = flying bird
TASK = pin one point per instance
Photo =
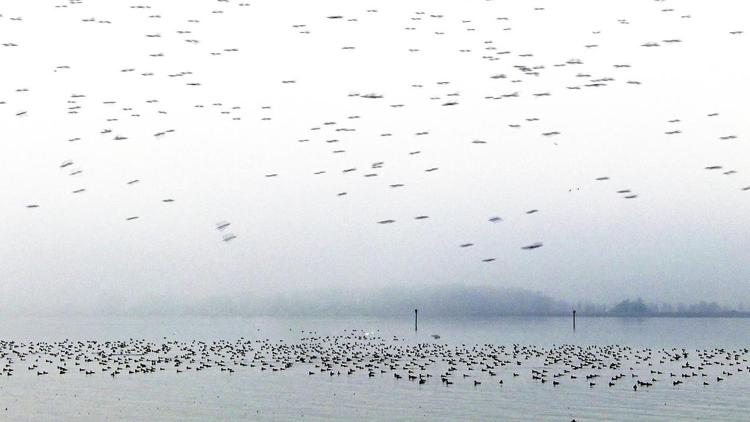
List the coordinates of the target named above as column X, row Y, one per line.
column 533, row 246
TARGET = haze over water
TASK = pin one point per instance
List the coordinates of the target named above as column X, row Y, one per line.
column 128, row 106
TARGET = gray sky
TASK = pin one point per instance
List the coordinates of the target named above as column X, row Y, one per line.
column 684, row 238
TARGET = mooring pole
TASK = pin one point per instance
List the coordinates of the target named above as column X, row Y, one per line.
column 415, row 320
column 574, row 319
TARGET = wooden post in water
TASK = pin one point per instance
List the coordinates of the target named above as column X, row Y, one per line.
column 574, row 319
column 415, row 320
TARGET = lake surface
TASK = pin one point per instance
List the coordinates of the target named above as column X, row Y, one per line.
column 253, row 394
column 640, row 332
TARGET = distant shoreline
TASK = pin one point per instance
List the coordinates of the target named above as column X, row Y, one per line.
column 451, row 301
column 426, row 314
column 666, row 315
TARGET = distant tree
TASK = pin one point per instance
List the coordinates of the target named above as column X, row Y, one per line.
column 627, row 307
column 666, row 307
column 591, row 308
column 704, row 307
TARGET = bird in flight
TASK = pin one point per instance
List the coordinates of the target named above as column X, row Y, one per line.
column 532, row 246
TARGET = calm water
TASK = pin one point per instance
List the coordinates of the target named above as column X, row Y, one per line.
column 250, row 394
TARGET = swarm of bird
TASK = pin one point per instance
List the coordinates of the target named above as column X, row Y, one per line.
column 518, row 77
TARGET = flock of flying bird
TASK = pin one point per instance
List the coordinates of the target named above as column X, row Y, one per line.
column 515, row 69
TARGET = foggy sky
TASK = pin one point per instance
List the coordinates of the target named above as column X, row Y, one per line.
column 685, row 238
